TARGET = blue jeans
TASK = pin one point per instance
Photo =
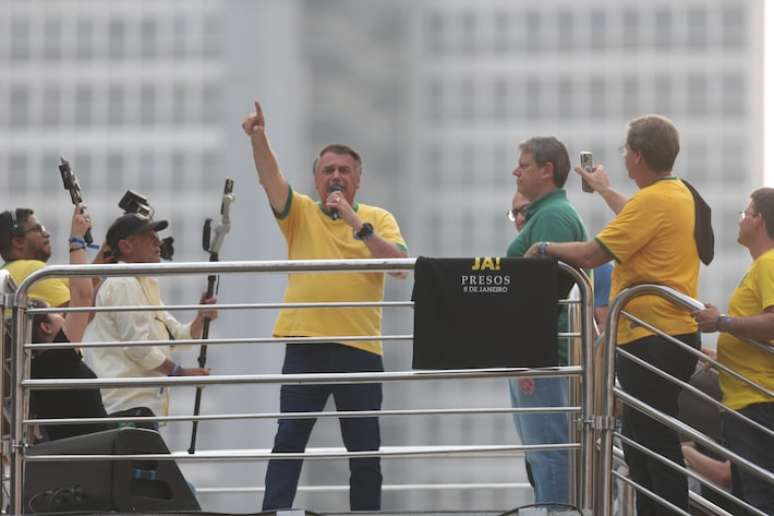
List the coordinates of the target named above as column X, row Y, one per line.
column 359, row 434
column 550, row 469
column 756, row 447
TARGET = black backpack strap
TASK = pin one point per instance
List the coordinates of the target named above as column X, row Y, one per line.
column 702, row 229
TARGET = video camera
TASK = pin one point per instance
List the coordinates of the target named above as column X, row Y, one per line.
column 132, row 202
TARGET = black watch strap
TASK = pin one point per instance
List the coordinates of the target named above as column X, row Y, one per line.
column 366, row 230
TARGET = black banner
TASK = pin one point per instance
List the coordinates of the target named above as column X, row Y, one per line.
column 486, row 312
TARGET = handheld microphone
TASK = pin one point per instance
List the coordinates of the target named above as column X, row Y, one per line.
column 335, row 188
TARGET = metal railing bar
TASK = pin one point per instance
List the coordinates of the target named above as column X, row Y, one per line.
column 226, row 306
column 688, row 302
column 492, row 451
column 699, row 437
column 618, row 457
column 385, row 487
column 690, row 388
column 706, row 505
column 305, row 415
column 211, row 342
column 240, row 306
column 688, row 472
column 650, row 494
column 191, row 268
column 701, row 355
column 315, row 378
column 235, row 340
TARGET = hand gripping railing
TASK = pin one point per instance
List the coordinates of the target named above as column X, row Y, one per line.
column 23, row 384
column 607, row 433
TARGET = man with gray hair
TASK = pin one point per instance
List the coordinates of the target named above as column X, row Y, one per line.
column 335, row 227
column 540, row 176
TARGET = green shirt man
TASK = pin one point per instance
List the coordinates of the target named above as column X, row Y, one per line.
column 550, row 218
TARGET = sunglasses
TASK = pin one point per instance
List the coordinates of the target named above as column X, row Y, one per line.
column 512, row 214
column 37, row 228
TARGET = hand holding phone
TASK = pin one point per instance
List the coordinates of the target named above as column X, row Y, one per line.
column 587, row 164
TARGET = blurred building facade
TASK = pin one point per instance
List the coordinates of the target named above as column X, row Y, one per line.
column 435, row 94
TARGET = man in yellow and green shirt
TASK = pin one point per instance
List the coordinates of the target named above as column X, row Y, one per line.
column 750, row 316
column 652, row 239
column 336, row 227
column 25, row 246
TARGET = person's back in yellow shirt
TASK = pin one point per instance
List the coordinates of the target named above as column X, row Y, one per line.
column 652, row 241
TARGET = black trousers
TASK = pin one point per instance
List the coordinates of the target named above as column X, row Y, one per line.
column 755, row 446
column 661, row 395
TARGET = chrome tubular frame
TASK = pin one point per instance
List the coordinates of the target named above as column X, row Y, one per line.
column 22, row 384
column 605, row 359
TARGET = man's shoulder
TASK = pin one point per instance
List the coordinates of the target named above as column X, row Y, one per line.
column 118, row 284
column 764, row 264
column 20, row 269
column 365, row 209
column 663, row 191
column 559, row 210
column 300, row 202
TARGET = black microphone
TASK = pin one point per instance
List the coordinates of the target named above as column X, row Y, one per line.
column 335, row 188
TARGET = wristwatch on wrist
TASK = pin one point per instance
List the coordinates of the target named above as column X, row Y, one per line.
column 724, row 323
column 365, row 232
column 542, row 246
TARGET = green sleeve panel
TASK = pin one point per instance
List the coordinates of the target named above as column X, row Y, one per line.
column 285, row 210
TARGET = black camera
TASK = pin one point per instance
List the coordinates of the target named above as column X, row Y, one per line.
column 132, row 202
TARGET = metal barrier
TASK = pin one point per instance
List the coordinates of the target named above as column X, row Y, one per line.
column 605, row 420
column 7, row 288
column 22, row 384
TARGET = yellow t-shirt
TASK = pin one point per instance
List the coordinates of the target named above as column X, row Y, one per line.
column 652, row 241
column 54, row 291
column 312, row 234
column 753, row 295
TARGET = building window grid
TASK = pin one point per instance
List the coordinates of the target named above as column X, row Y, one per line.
column 696, row 92
column 571, row 30
column 88, row 36
column 89, row 104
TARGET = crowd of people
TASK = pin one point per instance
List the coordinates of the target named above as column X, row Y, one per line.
column 660, row 235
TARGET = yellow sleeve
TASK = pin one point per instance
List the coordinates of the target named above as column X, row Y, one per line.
column 288, row 220
column 764, row 282
column 388, row 229
column 634, row 226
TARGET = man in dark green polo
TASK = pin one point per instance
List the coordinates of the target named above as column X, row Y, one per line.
column 540, row 176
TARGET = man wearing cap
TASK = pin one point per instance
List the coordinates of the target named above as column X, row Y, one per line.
column 132, row 239
column 336, row 227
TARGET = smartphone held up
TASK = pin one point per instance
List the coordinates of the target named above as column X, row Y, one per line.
column 587, row 164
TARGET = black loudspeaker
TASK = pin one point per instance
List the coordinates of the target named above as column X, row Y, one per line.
column 123, row 486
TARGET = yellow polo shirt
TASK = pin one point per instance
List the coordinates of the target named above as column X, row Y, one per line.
column 753, row 295
column 652, row 241
column 54, row 291
column 312, row 234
